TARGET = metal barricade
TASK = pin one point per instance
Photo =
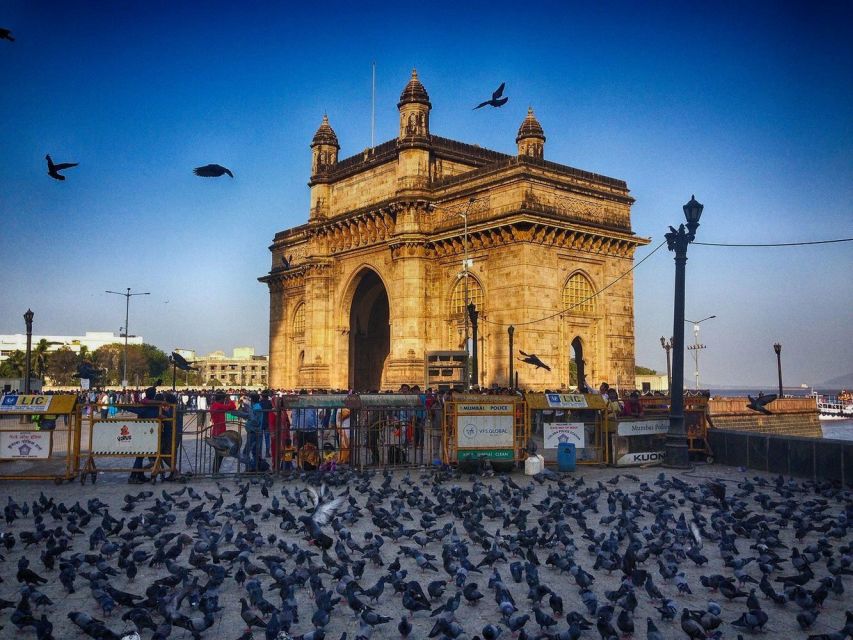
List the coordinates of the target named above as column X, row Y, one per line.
column 577, row 418
column 39, row 437
column 485, row 426
column 129, row 431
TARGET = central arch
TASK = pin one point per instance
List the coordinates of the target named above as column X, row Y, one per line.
column 370, row 333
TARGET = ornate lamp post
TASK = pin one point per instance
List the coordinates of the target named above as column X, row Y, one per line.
column 778, row 349
column 510, row 331
column 28, row 318
column 126, row 330
column 465, row 265
column 472, row 314
column 677, row 455
column 667, row 346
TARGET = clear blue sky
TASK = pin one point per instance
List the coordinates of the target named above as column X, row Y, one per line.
column 747, row 105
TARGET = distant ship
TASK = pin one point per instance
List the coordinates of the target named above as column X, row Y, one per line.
column 838, row 407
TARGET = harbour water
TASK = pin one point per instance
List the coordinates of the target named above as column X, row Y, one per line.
column 837, row 429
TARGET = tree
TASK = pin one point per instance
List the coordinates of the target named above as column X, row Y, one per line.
column 15, row 365
column 644, row 371
column 40, row 356
column 157, row 361
column 62, row 365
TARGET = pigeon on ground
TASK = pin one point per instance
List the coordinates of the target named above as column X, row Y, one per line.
column 54, row 169
column 496, row 100
column 212, row 171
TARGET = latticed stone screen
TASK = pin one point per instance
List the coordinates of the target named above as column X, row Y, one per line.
column 299, row 320
column 577, row 296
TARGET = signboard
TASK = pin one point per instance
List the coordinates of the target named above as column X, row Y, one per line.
column 16, row 445
column 491, row 454
column 484, row 432
column 567, row 400
column 557, row 432
column 642, row 427
column 85, row 384
column 471, row 407
column 25, row 404
column 648, row 457
column 125, row 437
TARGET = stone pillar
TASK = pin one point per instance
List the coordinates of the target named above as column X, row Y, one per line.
column 318, row 322
column 278, row 347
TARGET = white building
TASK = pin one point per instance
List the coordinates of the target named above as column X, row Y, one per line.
column 92, row 340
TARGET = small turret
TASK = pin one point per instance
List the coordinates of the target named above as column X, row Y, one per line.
column 414, row 109
column 531, row 137
column 324, row 147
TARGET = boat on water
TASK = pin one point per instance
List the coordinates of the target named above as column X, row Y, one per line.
column 838, row 407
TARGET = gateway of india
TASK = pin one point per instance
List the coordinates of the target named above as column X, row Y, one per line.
column 371, row 292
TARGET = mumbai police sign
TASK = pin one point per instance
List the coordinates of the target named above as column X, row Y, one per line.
column 642, row 427
column 484, row 426
column 25, row 404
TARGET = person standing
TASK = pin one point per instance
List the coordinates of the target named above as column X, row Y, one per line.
column 254, row 425
column 220, row 406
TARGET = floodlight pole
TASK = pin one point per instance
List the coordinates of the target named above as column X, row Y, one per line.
column 127, row 296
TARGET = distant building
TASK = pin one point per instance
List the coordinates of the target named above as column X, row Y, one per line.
column 652, row 382
column 242, row 369
column 91, row 340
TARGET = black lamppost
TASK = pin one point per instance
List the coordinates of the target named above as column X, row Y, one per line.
column 472, row 314
column 677, row 455
column 28, row 318
column 778, row 349
column 667, row 346
column 510, row 331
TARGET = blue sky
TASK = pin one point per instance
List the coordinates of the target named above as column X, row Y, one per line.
column 747, row 105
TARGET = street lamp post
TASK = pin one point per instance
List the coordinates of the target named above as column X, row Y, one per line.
column 677, row 454
column 127, row 296
column 667, row 346
column 511, row 331
column 465, row 285
column 696, row 347
column 472, row 314
column 778, row 349
column 28, row 318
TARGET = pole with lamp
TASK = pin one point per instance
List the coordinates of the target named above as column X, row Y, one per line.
column 778, row 349
column 465, row 265
column 28, row 318
column 511, row 332
column 667, row 346
column 696, row 347
column 677, row 455
column 472, row 314
column 127, row 296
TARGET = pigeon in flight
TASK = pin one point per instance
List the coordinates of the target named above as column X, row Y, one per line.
column 497, row 100
column 54, row 169
column 758, row 404
column 181, row 363
column 5, row 34
column 531, row 358
column 212, row 171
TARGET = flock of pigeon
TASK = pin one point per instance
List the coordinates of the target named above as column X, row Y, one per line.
column 355, row 555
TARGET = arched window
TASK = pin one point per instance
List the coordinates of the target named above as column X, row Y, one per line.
column 475, row 295
column 299, row 320
column 578, row 296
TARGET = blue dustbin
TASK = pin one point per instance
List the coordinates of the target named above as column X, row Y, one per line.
column 566, row 456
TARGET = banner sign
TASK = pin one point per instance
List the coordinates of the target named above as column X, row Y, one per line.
column 557, row 432
column 467, row 407
column 642, row 427
column 567, row 400
column 17, row 445
column 125, row 437
column 648, row 457
column 25, row 404
column 491, row 454
column 484, row 431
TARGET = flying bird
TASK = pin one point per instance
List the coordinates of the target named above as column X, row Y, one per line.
column 181, row 363
column 758, row 404
column 212, row 171
column 531, row 358
column 5, row 34
column 54, row 169
column 497, row 100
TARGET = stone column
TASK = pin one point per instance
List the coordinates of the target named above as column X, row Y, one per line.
column 318, row 322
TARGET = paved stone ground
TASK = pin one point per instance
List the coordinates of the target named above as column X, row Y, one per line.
column 111, row 489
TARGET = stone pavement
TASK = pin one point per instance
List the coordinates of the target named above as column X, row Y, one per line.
column 112, row 488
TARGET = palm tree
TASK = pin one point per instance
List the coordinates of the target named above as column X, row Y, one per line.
column 40, row 355
column 15, row 365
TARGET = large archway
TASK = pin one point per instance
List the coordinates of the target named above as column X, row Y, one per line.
column 370, row 333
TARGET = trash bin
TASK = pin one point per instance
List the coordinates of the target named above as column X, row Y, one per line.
column 566, row 456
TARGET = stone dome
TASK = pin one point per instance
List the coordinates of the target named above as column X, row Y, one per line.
column 325, row 135
column 530, row 128
column 414, row 92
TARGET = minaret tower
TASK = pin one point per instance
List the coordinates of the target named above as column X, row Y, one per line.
column 413, row 141
column 324, row 157
column 531, row 137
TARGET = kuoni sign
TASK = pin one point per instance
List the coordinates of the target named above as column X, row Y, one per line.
column 25, row 404
column 24, row 444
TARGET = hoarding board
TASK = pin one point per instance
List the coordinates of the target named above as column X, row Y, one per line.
column 125, row 437
column 567, row 400
column 25, row 404
column 646, row 457
column 484, row 431
column 642, row 427
column 557, row 432
column 17, row 445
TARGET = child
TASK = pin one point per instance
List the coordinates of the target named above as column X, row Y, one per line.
column 330, row 458
column 287, row 455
